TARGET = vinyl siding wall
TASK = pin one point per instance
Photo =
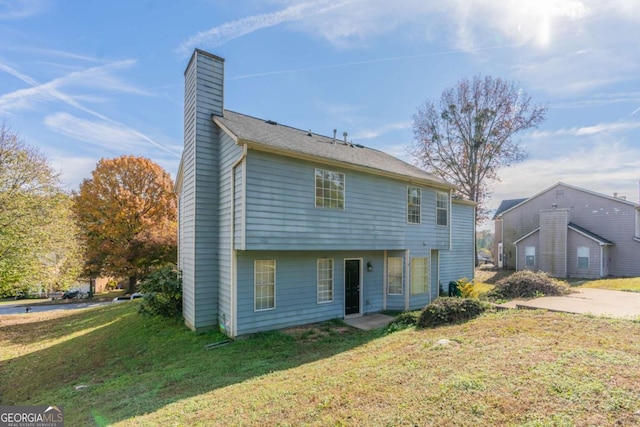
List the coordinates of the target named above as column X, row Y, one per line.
column 607, row 217
column 296, row 300
column 574, row 241
column 199, row 194
column 459, row 261
column 521, row 260
column 281, row 212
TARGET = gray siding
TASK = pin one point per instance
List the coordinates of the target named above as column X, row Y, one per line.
column 521, row 261
column 610, row 218
column 574, row 241
column 281, row 212
column 553, row 241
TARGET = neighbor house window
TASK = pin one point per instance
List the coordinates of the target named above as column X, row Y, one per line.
column 419, row 275
column 442, row 208
column 265, row 284
column 325, row 280
column 394, row 276
column 413, row 205
column 329, row 189
column 559, row 194
column 583, row 257
column 530, row 256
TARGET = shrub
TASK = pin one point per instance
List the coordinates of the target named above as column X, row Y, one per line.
column 528, row 284
column 447, row 310
column 162, row 293
column 467, row 288
column 404, row 320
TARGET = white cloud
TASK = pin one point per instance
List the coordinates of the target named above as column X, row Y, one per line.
column 600, row 128
column 107, row 134
column 376, row 132
column 224, row 33
column 605, row 168
column 18, row 9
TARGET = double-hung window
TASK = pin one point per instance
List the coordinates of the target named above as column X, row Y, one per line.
column 583, row 257
column 325, row 280
column 265, row 284
column 442, row 208
column 329, row 189
column 419, row 275
column 413, row 205
column 394, row 276
column 530, row 256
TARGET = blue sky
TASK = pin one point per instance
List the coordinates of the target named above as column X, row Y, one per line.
column 84, row 80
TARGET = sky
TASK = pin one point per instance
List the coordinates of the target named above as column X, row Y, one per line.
column 85, row 80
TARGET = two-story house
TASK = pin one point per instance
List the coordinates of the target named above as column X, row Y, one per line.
column 280, row 226
column 569, row 231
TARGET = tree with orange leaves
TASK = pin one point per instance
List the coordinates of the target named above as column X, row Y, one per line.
column 127, row 211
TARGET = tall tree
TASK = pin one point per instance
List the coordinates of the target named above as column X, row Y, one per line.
column 467, row 135
column 38, row 245
column 128, row 214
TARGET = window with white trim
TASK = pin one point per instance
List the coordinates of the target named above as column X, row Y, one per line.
column 329, row 189
column 265, row 284
column 583, row 257
column 413, row 204
column 419, row 275
column 530, row 256
column 394, row 276
column 442, row 208
column 325, row 280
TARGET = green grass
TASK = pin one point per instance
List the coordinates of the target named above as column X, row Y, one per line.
column 631, row 284
column 528, row 368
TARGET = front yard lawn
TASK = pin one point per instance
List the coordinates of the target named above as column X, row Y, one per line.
column 528, row 368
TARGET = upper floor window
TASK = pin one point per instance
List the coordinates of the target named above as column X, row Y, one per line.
column 329, row 189
column 583, row 257
column 530, row 256
column 442, row 208
column 394, row 276
column 413, row 205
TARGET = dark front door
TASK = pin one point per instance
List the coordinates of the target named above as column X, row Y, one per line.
column 351, row 286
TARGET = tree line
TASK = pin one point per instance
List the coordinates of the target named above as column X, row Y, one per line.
column 121, row 223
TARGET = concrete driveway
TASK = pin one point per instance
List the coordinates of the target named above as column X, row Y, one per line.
column 598, row 302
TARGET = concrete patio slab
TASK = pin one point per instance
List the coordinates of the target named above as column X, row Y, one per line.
column 370, row 322
column 599, row 302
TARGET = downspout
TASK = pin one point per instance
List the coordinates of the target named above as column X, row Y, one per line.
column 601, row 260
column 407, row 264
column 449, row 221
column 234, row 291
column 516, row 255
column 385, row 277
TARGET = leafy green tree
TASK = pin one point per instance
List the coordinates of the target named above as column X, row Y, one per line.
column 38, row 236
column 128, row 214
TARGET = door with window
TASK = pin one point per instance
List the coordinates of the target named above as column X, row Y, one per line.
column 351, row 286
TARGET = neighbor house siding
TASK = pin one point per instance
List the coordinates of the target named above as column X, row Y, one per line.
column 574, row 241
column 608, row 217
column 281, row 212
column 521, row 260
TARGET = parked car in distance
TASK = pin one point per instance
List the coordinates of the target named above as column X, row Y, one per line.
column 123, row 298
column 70, row 294
column 484, row 260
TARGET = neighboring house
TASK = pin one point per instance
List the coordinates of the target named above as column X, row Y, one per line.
column 281, row 227
column 569, row 231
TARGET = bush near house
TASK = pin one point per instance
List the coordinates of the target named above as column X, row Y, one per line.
column 528, row 284
column 446, row 310
column 162, row 293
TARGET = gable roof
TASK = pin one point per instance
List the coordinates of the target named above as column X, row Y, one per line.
column 506, row 205
column 266, row 135
column 584, row 190
column 593, row 236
